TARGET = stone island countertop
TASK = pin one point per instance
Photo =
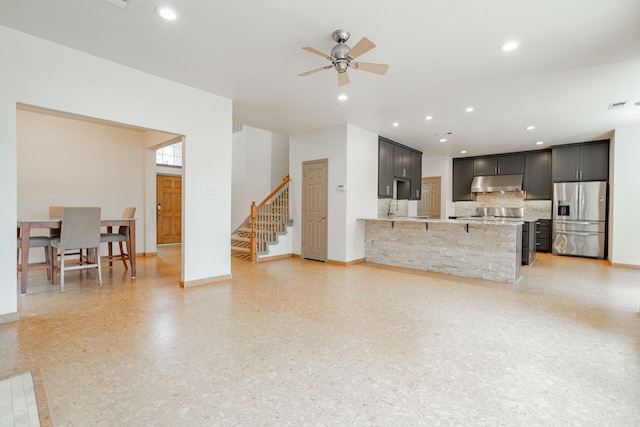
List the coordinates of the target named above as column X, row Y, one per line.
column 490, row 250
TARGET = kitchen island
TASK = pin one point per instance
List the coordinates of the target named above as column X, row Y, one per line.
column 490, row 250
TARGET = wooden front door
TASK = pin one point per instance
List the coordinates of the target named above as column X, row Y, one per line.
column 314, row 210
column 430, row 202
column 169, row 208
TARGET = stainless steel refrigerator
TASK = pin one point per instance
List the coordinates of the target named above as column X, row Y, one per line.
column 579, row 214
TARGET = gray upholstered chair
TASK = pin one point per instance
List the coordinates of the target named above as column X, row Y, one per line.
column 57, row 212
column 120, row 236
column 37, row 242
column 80, row 230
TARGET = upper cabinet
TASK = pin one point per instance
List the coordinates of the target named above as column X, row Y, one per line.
column 403, row 162
column 535, row 166
column 462, row 177
column 504, row 164
column 399, row 162
column 385, row 168
column 416, row 177
column 537, row 175
column 581, row 162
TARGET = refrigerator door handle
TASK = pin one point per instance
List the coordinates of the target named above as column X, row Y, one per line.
column 578, row 233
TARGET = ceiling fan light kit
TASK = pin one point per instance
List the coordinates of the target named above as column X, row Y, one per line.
column 342, row 55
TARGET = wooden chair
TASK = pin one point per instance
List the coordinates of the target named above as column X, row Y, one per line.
column 80, row 230
column 120, row 236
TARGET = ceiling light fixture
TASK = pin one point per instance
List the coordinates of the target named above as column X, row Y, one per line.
column 167, row 13
column 539, row 143
column 342, row 97
column 530, row 127
column 396, row 124
column 428, row 118
column 463, row 152
column 469, row 109
column 509, row 46
column 443, row 140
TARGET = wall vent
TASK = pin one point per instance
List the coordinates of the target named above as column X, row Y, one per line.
column 617, row 105
column 120, row 3
column 237, row 127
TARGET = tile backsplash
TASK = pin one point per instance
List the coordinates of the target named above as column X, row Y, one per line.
column 513, row 199
column 394, row 207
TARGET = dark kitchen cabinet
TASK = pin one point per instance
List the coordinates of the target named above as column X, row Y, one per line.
column 505, row 164
column 543, row 235
column 581, row 162
column 416, row 176
column 403, row 162
column 485, row 166
column 462, row 177
column 385, row 168
column 537, row 175
column 528, row 242
column 594, row 162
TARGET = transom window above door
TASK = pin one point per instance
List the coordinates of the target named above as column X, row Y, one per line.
column 170, row 155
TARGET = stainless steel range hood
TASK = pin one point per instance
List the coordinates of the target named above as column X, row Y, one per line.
column 487, row 184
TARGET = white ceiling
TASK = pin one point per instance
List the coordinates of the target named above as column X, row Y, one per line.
column 576, row 58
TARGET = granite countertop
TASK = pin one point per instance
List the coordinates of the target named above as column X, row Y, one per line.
column 445, row 221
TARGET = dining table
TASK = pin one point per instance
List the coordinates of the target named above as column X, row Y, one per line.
column 26, row 225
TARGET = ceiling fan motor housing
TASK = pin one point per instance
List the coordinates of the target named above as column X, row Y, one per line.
column 340, row 51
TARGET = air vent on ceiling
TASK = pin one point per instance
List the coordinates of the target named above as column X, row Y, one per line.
column 120, row 3
column 617, row 105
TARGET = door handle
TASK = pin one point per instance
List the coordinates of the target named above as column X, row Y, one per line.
column 323, row 217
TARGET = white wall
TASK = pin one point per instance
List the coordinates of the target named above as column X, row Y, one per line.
column 260, row 161
column 441, row 166
column 40, row 73
column 361, row 192
column 95, row 165
column 328, row 143
column 624, row 198
column 279, row 158
column 352, row 155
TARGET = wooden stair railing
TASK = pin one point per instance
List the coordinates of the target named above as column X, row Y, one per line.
column 269, row 217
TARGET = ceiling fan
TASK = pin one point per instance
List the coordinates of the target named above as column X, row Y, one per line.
column 342, row 57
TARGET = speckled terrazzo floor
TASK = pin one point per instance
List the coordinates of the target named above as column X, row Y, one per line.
column 296, row 342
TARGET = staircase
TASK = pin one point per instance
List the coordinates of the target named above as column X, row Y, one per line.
column 241, row 241
column 261, row 228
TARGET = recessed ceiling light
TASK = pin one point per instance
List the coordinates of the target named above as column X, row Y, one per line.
column 539, row 143
column 509, row 46
column 463, row 152
column 443, row 140
column 530, row 127
column 469, row 109
column 396, row 124
column 167, row 13
column 428, row 118
column 342, row 97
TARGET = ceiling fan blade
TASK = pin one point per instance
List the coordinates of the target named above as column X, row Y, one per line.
column 343, row 79
column 306, row 73
column 363, row 46
column 371, row 68
column 317, row 52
